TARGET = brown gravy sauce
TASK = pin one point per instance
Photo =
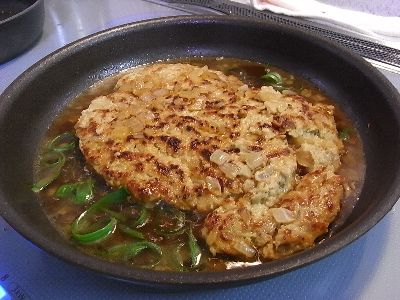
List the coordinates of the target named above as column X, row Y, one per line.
column 63, row 212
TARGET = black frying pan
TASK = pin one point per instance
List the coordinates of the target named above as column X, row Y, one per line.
column 32, row 101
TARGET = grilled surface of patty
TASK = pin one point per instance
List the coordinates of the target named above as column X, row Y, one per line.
column 241, row 228
column 205, row 141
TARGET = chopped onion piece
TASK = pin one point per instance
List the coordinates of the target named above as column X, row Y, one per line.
column 244, row 87
column 282, row 215
column 146, row 116
column 241, row 147
column 179, row 101
column 244, row 170
column 135, row 125
column 213, row 185
column 230, row 170
column 147, row 97
column 254, row 159
column 219, row 157
column 248, row 185
column 263, row 174
column 138, row 135
column 160, row 92
column 245, row 249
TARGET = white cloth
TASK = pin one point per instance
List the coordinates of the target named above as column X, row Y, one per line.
column 373, row 26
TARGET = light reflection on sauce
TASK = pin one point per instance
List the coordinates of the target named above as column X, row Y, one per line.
column 240, row 264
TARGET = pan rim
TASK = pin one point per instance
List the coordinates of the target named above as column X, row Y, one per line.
column 22, row 12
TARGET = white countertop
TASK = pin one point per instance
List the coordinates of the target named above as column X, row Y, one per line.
column 367, row 269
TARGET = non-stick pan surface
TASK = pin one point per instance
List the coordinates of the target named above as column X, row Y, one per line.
column 29, row 105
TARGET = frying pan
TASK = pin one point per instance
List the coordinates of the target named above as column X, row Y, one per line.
column 21, row 23
column 33, row 100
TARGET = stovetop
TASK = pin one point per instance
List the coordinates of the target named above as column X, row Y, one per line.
column 369, row 268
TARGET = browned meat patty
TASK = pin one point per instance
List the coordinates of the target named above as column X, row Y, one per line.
column 205, row 141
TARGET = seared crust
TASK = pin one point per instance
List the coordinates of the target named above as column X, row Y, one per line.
column 242, row 229
column 157, row 133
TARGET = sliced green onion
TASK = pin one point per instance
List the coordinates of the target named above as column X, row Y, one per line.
column 79, row 193
column 169, row 213
column 143, row 218
column 64, row 142
column 129, row 251
column 51, row 164
column 66, row 190
column 120, row 217
column 195, row 252
column 91, row 237
column 52, row 161
column 131, row 232
column 178, row 256
column 273, row 77
column 41, row 184
column 278, row 87
column 84, row 192
column 114, row 197
column 52, row 158
column 344, row 134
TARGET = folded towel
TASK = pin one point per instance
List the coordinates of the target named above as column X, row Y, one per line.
column 372, row 26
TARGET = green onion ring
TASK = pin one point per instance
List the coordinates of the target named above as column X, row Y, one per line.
column 195, row 251
column 120, row 217
column 114, row 197
column 66, row 190
column 84, row 192
column 64, row 142
column 95, row 236
column 131, row 232
column 129, row 251
column 273, row 77
column 344, row 134
column 78, row 193
column 143, row 218
column 52, row 158
column 278, row 87
column 176, row 214
column 178, row 254
column 52, row 169
column 52, row 161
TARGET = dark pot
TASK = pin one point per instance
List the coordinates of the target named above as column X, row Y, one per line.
column 21, row 24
